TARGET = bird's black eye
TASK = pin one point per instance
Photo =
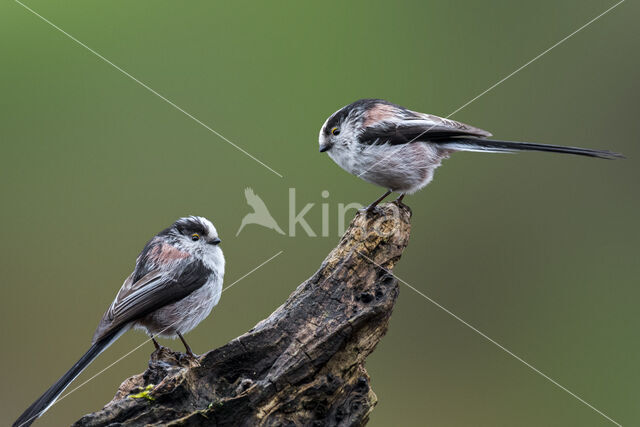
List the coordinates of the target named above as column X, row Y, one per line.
column 195, row 237
column 335, row 131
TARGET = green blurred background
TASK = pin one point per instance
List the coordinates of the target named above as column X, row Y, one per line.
column 538, row 251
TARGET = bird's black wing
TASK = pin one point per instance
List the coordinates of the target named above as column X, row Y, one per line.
column 151, row 292
column 417, row 127
column 403, row 126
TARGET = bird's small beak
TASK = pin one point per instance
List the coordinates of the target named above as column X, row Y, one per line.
column 325, row 147
column 215, row 241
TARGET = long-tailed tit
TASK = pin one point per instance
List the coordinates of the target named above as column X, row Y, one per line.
column 176, row 282
column 399, row 149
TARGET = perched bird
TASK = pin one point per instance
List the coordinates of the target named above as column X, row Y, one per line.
column 176, row 282
column 260, row 214
column 399, row 149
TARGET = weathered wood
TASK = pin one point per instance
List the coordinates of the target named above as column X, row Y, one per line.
column 303, row 365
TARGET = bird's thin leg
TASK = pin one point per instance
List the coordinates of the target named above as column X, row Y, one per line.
column 155, row 343
column 399, row 199
column 374, row 204
column 186, row 346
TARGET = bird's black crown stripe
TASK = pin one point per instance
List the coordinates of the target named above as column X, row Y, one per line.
column 186, row 227
column 191, row 226
column 361, row 105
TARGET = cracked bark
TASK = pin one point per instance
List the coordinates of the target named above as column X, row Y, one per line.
column 302, row 365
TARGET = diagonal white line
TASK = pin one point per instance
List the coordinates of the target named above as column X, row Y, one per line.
column 544, row 52
column 139, row 346
column 491, row 340
column 177, row 107
column 499, row 82
column 252, row 271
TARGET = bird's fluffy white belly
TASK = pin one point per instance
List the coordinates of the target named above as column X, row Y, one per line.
column 184, row 315
column 403, row 168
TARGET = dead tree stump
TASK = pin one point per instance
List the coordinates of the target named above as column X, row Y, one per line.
column 303, row 365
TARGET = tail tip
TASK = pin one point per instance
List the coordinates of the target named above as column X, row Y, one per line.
column 611, row 155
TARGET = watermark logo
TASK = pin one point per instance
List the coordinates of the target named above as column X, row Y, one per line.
column 260, row 215
column 297, row 218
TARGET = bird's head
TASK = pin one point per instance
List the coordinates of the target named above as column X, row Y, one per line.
column 195, row 235
column 344, row 126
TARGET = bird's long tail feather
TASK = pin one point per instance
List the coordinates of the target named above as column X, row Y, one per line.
column 495, row 146
column 48, row 398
